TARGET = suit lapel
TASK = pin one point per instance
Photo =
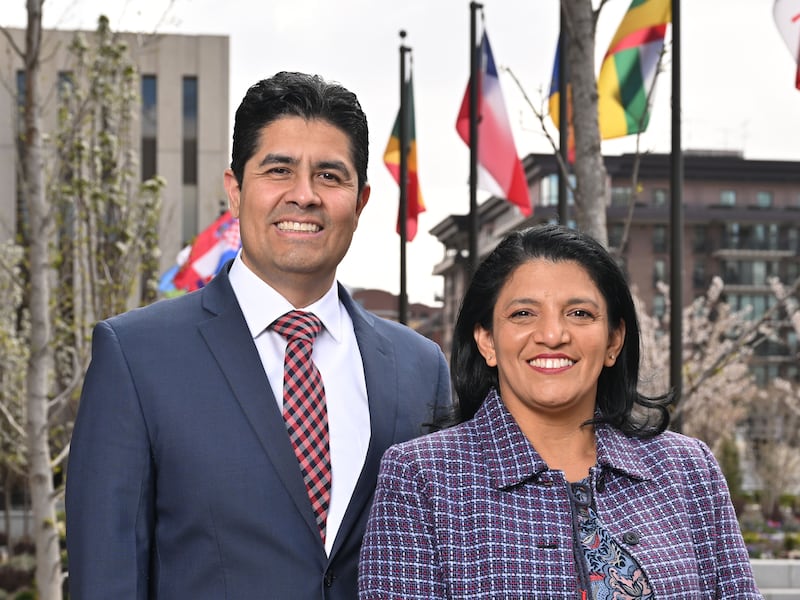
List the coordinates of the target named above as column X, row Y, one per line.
column 380, row 372
column 229, row 340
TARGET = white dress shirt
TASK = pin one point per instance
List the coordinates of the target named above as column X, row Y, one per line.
column 338, row 359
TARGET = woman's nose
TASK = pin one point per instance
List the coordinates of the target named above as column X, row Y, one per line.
column 549, row 330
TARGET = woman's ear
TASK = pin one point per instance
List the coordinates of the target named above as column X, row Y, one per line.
column 485, row 342
column 615, row 343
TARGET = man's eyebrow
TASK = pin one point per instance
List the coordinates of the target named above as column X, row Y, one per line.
column 334, row 165
column 325, row 165
column 281, row 159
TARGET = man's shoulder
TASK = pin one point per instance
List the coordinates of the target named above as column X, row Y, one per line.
column 161, row 317
column 386, row 327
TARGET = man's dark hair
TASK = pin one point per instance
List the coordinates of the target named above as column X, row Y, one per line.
column 300, row 95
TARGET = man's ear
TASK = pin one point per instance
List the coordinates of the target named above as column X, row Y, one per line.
column 233, row 191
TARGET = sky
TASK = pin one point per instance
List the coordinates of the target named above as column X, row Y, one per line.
column 738, row 89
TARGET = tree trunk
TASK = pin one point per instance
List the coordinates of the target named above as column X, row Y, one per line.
column 7, row 487
column 591, row 190
column 48, row 560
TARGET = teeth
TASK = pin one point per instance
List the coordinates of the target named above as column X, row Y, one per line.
column 295, row 226
column 551, row 363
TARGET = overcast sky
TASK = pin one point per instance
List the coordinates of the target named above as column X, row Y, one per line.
column 738, row 86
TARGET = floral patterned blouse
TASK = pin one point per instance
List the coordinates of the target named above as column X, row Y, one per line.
column 606, row 570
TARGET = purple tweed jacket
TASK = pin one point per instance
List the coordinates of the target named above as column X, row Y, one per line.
column 473, row 512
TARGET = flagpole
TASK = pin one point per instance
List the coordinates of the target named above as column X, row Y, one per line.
column 563, row 120
column 474, row 66
column 676, row 218
column 402, row 308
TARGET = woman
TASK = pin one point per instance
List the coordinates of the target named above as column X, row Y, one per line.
column 561, row 480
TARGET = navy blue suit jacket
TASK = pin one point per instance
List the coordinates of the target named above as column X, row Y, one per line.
column 182, row 483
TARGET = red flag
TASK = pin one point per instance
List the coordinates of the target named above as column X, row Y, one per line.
column 501, row 170
column 787, row 18
column 211, row 249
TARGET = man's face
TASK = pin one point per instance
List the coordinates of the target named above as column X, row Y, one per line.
column 298, row 205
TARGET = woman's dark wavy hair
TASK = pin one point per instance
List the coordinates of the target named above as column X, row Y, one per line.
column 617, row 394
column 299, row 95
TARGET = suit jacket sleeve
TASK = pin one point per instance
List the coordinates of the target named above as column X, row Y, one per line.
column 110, row 491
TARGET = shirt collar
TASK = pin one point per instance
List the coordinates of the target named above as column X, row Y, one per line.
column 261, row 304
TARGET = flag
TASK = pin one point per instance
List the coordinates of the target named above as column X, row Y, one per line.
column 391, row 158
column 555, row 104
column 629, row 68
column 500, row 170
column 166, row 283
column 787, row 18
column 211, row 249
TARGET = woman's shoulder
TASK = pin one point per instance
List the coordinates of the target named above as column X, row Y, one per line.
column 440, row 449
column 671, row 448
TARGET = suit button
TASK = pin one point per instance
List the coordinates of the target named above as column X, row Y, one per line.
column 329, row 577
column 630, row 537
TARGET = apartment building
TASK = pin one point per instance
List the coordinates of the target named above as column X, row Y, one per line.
column 183, row 123
column 741, row 222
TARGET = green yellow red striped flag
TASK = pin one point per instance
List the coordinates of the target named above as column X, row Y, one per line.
column 391, row 158
column 629, row 68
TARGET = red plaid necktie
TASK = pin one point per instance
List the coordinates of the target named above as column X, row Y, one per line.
column 304, row 408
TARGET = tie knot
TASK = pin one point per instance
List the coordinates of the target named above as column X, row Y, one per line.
column 297, row 324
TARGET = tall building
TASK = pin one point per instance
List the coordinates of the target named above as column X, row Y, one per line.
column 183, row 123
column 741, row 222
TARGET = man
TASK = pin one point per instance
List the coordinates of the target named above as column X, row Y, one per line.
column 183, row 479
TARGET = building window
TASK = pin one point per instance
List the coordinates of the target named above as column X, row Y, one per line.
column 773, row 236
column 190, row 157
column 793, row 239
column 21, row 87
column 549, row 190
column 620, row 196
column 762, row 237
column 759, row 273
column 731, row 239
column 727, row 197
column 659, row 271
column 764, row 199
column 615, row 233
column 66, row 85
column 759, row 304
column 700, row 239
column 791, row 271
column 660, row 239
column 659, row 306
column 730, row 270
column 699, row 279
column 149, row 126
column 659, row 197
column 190, row 130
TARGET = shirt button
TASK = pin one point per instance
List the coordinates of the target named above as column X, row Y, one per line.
column 630, row 537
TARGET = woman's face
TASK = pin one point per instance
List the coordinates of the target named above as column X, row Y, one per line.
column 550, row 339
